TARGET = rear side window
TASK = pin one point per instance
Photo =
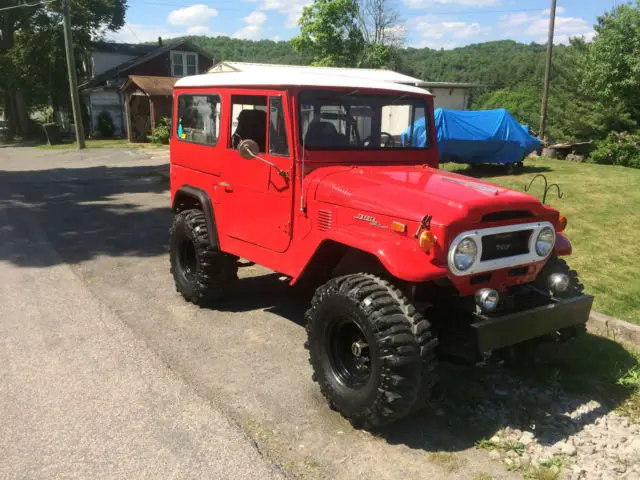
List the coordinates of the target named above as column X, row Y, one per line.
column 199, row 119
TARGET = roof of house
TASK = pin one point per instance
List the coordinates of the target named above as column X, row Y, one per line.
column 152, row 86
column 124, row 67
column 293, row 77
column 122, row 48
column 449, row 85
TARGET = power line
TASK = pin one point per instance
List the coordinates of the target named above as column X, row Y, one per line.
column 132, row 32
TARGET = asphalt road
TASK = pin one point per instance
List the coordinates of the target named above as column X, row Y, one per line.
column 105, row 372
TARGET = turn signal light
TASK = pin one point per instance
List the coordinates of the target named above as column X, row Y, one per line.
column 398, row 227
column 562, row 223
column 427, row 240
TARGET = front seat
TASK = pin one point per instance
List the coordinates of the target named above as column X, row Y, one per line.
column 251, row 124
column 324, row 134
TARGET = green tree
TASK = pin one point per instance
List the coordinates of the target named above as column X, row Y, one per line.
column 330, row 33
column 613, row 61
column 32, row 58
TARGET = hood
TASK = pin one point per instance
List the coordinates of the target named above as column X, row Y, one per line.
column 411, row 192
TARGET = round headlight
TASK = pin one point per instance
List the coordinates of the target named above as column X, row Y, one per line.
column 465, row 254
column 545, row 241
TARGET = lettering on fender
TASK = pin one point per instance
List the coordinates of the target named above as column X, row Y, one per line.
column 369, row 219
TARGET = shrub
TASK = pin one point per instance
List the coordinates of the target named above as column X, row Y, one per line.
column 618, row 149
column 160, row 135
column 105, row 124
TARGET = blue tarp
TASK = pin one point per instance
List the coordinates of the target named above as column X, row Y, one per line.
column 488, row 136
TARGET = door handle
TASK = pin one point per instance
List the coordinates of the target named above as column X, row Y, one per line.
column 227, row 186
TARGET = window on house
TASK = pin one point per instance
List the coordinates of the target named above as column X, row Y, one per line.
column 199, row 119
column 184, row 63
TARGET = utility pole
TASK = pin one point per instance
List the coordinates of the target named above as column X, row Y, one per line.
column 73, row 83
column 547, row 72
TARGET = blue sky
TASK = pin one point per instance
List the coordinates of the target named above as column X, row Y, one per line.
column 431, row 23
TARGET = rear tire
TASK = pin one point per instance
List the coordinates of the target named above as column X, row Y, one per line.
column 202, row 273
column 372, row 353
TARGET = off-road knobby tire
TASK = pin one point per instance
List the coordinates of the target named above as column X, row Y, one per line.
column 575, row 289
column 215, row 273
column 527, row 353
column 402, row 349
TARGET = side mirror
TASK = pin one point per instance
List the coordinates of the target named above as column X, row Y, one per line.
column 248, row 149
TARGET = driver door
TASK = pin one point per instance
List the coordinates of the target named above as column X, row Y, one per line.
column 257, row 202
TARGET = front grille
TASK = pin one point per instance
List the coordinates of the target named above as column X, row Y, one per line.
column 503, row 245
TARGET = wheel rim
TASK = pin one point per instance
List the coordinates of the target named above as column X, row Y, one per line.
column 349, row 353
column 188, row 259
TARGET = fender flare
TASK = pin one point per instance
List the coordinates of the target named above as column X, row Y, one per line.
column 205, row 202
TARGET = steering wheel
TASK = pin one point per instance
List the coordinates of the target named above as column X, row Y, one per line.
column 389, row 143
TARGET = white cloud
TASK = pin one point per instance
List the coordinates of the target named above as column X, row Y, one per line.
column 291, row 8
column 198, row 14
column 250, row 32
column 199, row 30
column 465, row 3
column 431, row 28
column 537, row 25
column 253, row 30
column 255, row 18
column 564, row 25
column 136, row 33
column 558, row 10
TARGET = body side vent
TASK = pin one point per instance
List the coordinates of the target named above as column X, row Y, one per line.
column 325, row 218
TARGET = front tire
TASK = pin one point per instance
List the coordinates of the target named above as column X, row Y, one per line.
column 372, row 353
column 575, row 289
column 202, row 273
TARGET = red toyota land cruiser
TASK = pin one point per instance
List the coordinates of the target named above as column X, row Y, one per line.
column 333, row 180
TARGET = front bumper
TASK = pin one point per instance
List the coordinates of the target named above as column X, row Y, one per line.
column 498, row 332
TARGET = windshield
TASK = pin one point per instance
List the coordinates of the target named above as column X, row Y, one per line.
column 339, row 120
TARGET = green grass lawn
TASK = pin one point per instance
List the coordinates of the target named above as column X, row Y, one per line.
column 107, row 143
column 602, row 206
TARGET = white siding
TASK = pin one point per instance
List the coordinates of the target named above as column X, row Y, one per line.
column 452, row 98
column 110, row 101
column 103, row 61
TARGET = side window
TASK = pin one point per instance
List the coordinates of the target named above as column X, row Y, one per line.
column 249, row 120
column 199, row 119
column 277, row 128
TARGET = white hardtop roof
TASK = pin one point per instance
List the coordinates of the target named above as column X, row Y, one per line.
column 369, row 73
column 262, row 75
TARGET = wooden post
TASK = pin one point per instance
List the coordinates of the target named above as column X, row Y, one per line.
column 127, row 115
column 152, row 113
column 71, row 70
column 547, row 73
